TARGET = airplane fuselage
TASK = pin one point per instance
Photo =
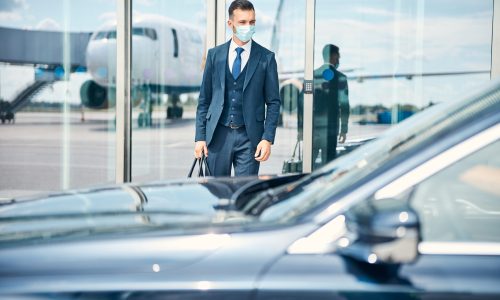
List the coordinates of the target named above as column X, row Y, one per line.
column 165, row 53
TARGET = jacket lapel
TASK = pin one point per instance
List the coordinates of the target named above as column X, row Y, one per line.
column 222, row 64
column 252, row 64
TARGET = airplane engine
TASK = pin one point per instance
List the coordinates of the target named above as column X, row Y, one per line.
column 94, row 96
column 292, row 99
column 290, row 94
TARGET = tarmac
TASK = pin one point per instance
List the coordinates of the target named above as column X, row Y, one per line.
column 50, row 151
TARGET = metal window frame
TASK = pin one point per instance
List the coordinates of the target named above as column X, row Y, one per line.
column 308, row 77
column 220, row 25
column 495, row 41
column 123, row 88
column 210, row 37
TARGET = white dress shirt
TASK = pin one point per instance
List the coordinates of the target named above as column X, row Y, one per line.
column 245, row 55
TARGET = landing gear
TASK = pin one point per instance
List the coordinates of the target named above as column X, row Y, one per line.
column 7, row 117
column 175, row 111
column 6, row 114
column 145, row 118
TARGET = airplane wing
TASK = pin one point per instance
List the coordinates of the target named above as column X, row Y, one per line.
column 409, row 76
column 361, row 77
column 40, row 47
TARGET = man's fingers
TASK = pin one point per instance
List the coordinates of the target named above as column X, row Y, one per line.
column 264, row 155
column 342, row 138
column 258, row 152
column 200, row 148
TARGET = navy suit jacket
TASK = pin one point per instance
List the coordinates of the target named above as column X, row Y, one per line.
column 260, row 90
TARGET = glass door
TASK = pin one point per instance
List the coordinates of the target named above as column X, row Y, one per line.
column 380, row 62
column 168, row 48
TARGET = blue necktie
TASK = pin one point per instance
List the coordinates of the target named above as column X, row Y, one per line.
column 237, row 63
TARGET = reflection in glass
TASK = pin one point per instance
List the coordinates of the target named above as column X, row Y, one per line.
column 399, row 58
column 461, row 203
column 168, row 47
column 330, row 107
column 57, row 72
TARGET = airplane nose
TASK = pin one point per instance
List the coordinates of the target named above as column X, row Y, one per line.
column 101, row 59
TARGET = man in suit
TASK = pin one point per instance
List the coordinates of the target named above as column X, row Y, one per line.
column 331, row 107
column 239, row 101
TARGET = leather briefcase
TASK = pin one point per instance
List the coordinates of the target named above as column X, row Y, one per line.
column 294, row 164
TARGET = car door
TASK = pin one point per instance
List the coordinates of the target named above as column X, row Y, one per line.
column 458, row 204
column 456, row 196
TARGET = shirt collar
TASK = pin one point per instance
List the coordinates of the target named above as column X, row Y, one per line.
column 246, row 47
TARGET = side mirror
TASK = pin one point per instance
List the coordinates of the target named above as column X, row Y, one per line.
column 382, row 231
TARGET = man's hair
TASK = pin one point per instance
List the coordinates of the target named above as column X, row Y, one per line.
column 240, row 4
column 328, row 50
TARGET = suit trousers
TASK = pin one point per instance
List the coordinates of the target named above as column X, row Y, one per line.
column 231, row 147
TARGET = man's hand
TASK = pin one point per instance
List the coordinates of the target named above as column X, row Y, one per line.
column 342, row 138
column 199, row 148
column 263, row 150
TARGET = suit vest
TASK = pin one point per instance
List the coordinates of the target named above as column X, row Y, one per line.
column 232, row 113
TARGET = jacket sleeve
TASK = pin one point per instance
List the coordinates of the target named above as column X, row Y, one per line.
column 343, row 96
column 204, row 99
column 273, row 101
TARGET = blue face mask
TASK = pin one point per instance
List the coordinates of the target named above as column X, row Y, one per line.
column 245, row 33
column 336, row 66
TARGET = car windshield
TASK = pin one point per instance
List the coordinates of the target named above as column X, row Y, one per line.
column 323, row 184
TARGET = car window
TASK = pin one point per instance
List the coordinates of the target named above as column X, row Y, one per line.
column 461, row 203
column 424, row 128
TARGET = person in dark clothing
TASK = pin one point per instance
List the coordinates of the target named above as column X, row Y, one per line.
column 331, row 107
column 239, row 103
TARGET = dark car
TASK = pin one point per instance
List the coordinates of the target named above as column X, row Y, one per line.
column 414, row 214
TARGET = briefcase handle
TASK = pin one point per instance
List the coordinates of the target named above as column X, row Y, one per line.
column 297, row 146
column 203, row 169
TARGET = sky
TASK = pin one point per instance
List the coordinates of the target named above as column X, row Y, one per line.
column 375, row 37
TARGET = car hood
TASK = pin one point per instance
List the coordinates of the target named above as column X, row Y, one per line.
column 160, row 235
column 121, row 208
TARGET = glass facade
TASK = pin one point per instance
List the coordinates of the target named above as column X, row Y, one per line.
column 57, row 62
column 58, row 95
column 395, row 58
column 167, row 68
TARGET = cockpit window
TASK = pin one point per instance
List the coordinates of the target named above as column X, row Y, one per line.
column 100, row 35
column 137, row 31
column 151, row 33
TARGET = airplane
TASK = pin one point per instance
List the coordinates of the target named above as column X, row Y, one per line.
column 292, row 82
column 167, row 58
